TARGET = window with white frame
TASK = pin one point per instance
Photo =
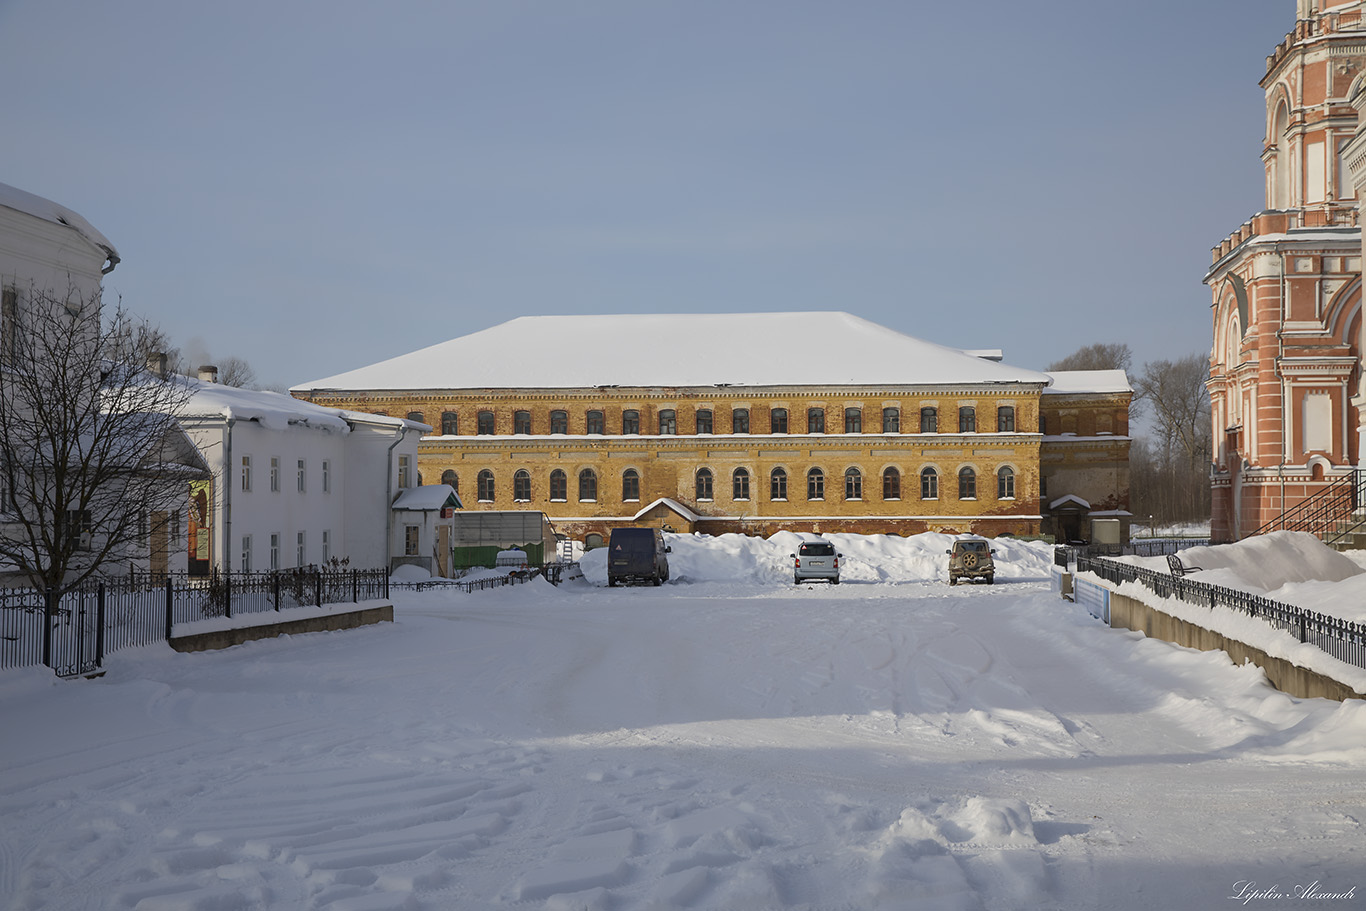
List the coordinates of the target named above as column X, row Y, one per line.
column 327, row 545
column 246, row 554
column 274, row 474
column 327, row 476
column 300, row 550
column 246, row 473
column 411, row 537
column 275, row 551
column 303, row 473
column 405, row 468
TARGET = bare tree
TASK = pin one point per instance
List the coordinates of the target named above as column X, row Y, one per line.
column 93, row 464
column 1178, row 458
column 234, row 371
column 1100, row 356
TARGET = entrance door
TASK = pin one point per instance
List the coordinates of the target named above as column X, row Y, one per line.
column 443, row 551
column 159, row 545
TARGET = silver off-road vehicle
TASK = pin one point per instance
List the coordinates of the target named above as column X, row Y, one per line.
column 970, row 558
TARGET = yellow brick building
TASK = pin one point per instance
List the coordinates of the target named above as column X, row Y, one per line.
column 739, row 422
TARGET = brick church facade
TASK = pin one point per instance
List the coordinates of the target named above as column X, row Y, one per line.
column 1285, row 378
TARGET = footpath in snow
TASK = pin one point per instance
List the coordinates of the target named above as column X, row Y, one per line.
column 725, row 741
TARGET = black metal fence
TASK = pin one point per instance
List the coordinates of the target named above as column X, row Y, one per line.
column 71, row 632
column 1340, row 638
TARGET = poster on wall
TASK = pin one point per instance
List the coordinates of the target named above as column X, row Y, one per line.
column 201, row 513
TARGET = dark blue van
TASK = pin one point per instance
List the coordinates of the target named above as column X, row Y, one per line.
column 637, row 555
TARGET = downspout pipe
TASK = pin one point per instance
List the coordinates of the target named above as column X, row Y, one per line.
column 227, row 498
column 389, row 498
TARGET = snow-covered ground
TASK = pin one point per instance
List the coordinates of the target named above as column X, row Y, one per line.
column 725, row 741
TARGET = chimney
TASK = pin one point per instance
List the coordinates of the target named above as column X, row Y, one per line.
column 156, row 363
column 208, row 373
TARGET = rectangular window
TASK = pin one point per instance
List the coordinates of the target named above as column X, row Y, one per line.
column 853, row 420
column 486, row 425
column 596, row 425
column 891, row 420
column 559, row 422
column 967, row 419
column 739, row 420
column 246, row 472
column 521, row 422
column 704, row 421
column 327, row 476
column 274, row 474
column 630, row 422
column 450, row 423
column 815, row 420
column 275, row 551
column 1005, row 419
column 246, row 554
column 327, row 545
column 410, row 540
column 777, row 420
column 668, row 422
column 303, row 472
column 80, row 528
column 404, row 469
column 929, row 420
column 300, row 551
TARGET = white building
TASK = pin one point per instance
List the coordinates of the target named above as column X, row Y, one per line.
column 295, row 484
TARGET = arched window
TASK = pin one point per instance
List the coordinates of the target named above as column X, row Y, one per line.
column 815, row 484
column 1005, row 419
column 967, row 419
column 1281, row 179
column 588, row 485
column 777, row 420
column 891, row 484
column 592, row 540
column 630, row 484
column 929, row 420
column 853, row 420
column 668, row 421
column 967, row 484
column 450, row 423
column 416, row 416
column 704, row 483
column 815, row 420
column 891, row 420
column 485, row 486
column 739, row 420
column 521, row 486
column 853, row 484
column 739, row 484
column 777, row 484
column 630, row 422
column 1005, row 484
column 929, row 484
column 704, row 420
column 486, row 425
column 597, row 426
column 521, row 422
column 450, row 477
column 559, row 422
column 559, row 486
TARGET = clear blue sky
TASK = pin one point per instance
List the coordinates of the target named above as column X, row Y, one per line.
column 315, row 186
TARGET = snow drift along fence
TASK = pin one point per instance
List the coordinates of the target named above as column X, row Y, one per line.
column 1340, row 638
column 72, row 632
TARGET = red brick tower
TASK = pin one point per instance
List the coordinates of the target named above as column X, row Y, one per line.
column 1286, row 360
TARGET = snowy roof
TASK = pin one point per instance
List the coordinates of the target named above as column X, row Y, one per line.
column 692, row 349
column 669, row 503
column 46, row 209
column 1079, row 381
column 1069, row 500
column 273, row 410
column 427, row 498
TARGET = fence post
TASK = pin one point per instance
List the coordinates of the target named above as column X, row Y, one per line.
column 275, row 588
column 49, row 614
column 170, row 601
column 227, row 596
column 99, row 628
column 318, row 588
column 1303, row 636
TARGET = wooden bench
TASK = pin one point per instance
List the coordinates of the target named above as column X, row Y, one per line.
column 1178, row 568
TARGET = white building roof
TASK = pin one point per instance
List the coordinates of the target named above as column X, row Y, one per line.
column 1067, row 382
column 47, row 210
column 273, row 410
column 427, row 498
column 703, row 349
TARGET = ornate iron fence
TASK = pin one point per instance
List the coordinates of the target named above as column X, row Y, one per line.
column 1340, row 638
column 71, row 632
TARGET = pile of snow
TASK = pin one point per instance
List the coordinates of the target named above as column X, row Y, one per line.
column 863, row 558
column 409, row 573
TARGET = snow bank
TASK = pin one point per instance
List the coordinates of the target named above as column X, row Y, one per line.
column 863, row 558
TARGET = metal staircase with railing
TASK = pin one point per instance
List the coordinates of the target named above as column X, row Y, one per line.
column 1336, row 515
